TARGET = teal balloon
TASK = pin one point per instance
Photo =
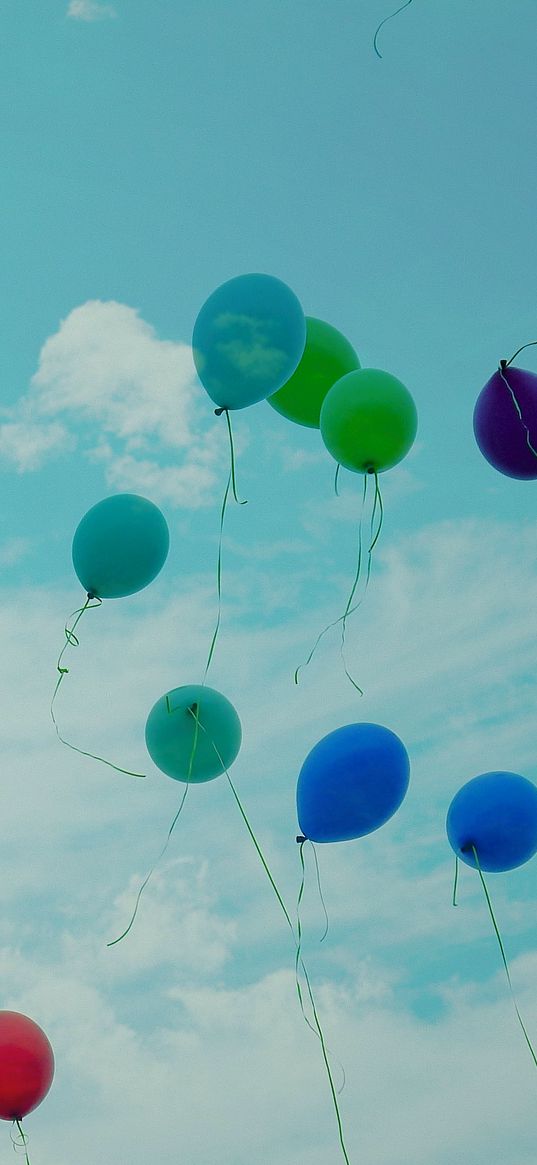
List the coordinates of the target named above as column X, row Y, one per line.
column 176, row 746
column 248, row 339
column 120, row 546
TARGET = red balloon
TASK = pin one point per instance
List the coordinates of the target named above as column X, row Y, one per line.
column 26, row 1065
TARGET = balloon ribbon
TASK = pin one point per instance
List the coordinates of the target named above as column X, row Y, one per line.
column 72, row 640
column 386, row 18
column 231, row 484
column 504, row 957
column 195, row 713
column 318, row 1029
column 20, row 1140
column 502, row 367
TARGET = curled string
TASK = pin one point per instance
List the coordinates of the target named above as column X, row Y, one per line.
column 321, row 896
column 318, row 1028
column 19, row 1140
column 386, row 18
column 374, row 535
column 231, row 485
column 504, row 957
column 502, row 367
column 506, row 363
column 195, row 713
column 336, row 480
column 72, row 640
column 455, row 881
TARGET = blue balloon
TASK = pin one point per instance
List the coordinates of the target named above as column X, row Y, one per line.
column 184, row 751
column 497, row 814
column 351, row 782
column 248, row 340
column 120, row 546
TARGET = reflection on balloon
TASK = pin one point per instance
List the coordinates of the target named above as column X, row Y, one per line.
column 351, row 782
column 120, row 546
column 193, row 733
column 248, row 339
column 327, row 357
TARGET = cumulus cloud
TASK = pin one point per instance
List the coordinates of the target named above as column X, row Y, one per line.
column 90, row 10
column 107, row 384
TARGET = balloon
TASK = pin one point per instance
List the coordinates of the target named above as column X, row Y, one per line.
column 327, row 357
column 248, row 339
column 26, row 1065
column 501, row 433
column 170, row 733
column 497, row 814
column 120, row 546
column 368, row 420
column 351, row 782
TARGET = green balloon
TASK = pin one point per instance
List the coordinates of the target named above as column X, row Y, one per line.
column 368, row 421
column 326, row 358
column 171, row 733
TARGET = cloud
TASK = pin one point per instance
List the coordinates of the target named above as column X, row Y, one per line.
column 90, row 10
column 108, row 385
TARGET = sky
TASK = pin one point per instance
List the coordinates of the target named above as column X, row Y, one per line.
column 152, row 151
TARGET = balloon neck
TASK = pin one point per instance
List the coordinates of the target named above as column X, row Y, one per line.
column 91, row 595
column 370, row 468
column 301, row 838
column 194, row 708
column 218, row 412
column 503, row 365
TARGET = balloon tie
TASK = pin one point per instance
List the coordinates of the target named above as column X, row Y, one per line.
column 72, row 640
column 20, row 1139
column 386, row 18
column 455, row 881
column 193, row 711
column 503, row 365
column 504, row 957
column 318, row 1029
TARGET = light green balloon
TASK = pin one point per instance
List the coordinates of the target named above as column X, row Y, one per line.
column 327, row 357
column 170, row 733
column 368, row 421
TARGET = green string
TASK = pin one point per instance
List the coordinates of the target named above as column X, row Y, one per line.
column 504, row 957
column 195, row 713
column 21, row 1140
column 386, row 18
column 318, row 1028
column 231, row 484
column 503, row 365
column 455, row 880
column 336, row 480
column 320, row 889
column 374, row 535
column 71, row 640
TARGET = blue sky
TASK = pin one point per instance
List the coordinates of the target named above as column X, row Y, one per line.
column 152, row 150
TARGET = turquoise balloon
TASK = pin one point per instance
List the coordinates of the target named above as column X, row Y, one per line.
column 248, row 339
column 120, row 546
column 170, row 733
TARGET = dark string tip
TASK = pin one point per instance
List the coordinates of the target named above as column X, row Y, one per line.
column 218, row 412
column 301, row 838
column 194, row 709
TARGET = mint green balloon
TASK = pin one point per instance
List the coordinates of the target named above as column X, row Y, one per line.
column 368, row 421
column 170, row 733
column 327, row 357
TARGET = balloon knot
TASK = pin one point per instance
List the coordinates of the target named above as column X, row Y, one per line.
column 91, row 595
column 503, row 365
column 301, row 838
column 218, row 412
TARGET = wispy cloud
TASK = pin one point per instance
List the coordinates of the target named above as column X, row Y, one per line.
column 90, row 10
column 109, row 385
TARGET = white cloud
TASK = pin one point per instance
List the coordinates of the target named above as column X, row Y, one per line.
column 90, row 10
column 108, row 384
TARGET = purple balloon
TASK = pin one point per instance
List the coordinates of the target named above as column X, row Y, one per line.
column 501, row 433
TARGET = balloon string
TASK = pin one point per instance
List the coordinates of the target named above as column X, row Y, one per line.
column 194, row 711
column 386, row 18
column 218, row 579
column 504, row 957
column 232, row 460
column 506, row 363
column 20, row 1141
column 321, row 896
column 455, row 881
column 374, row 534
column 298, row 960
column 318, row 1028
column 72, row 640
column 503, row 366
column 336, row 480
